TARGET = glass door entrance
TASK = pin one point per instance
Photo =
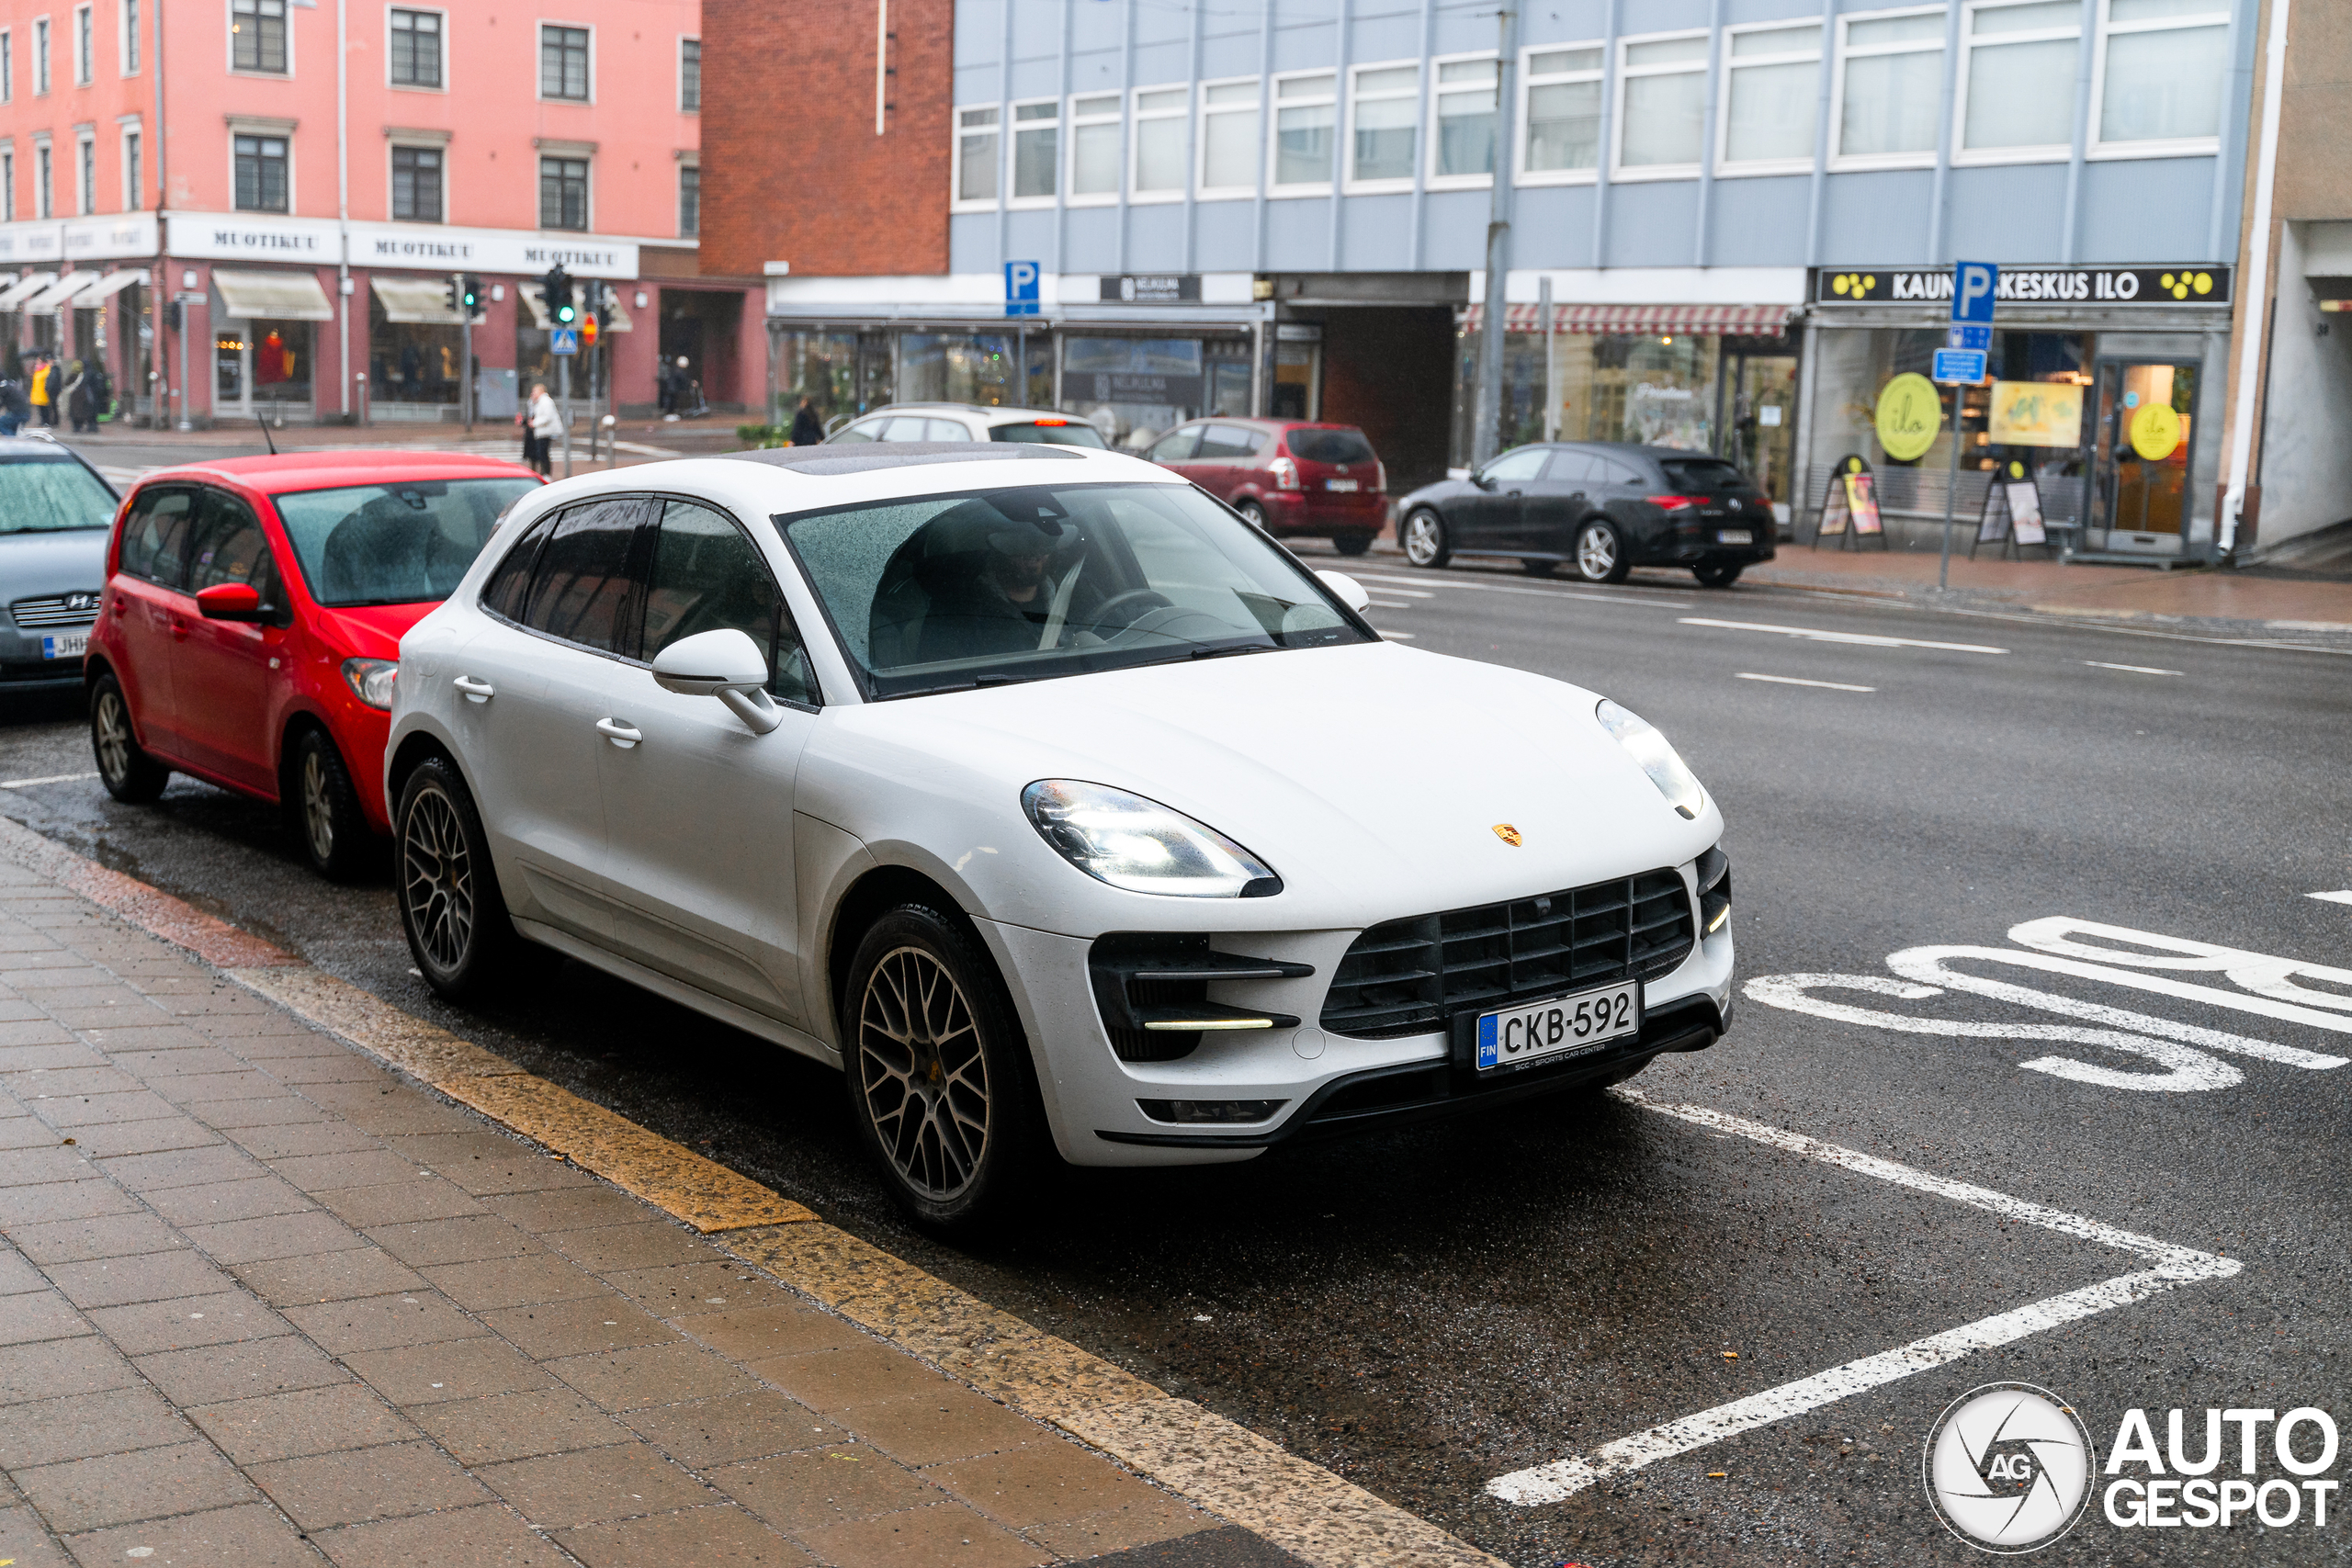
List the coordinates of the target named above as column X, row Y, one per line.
column 1759, row 421
column 2140, row 457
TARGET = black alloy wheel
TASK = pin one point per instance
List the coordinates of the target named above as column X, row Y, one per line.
column 937, row 1069
column 1351, row 544
column 451, row 909
column 1717, row 573
column 1601, row 555
column 130, row 775
column 322, row 807
column 1426, row 542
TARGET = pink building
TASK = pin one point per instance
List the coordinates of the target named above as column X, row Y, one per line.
column 194, row 192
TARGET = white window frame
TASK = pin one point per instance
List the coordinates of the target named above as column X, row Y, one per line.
column 40, row 57
column 957, row 131
column 1137, row 118
column 1748, row 169
column 1349, row 184
column 414, row 143
column 1961, row 154
column 7, row 66
column 1432, row 179
column 229, row 47
column 85, row 170
column 538, row 56
column 569, row 151
column 1528, row 82
column 1619, row 173
column 678, row 195
column 1013, row 126
column 683, row 40
column 1069, row 149
column 293, row 196
column 44, row 177
column 1261, row 105
column 2172, row 147
column 85, row 43
column 1272, row 130
column 7, row 179
column 128, row 129
column 443, row 12
column 1840, row 160
column 129, row 57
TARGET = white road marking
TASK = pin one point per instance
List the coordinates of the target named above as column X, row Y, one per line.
column 1794, row 680
column 1387, row 585
column 2175, row 1267
column 1814, row 634
column 1471, row 587
column 53, row 778
column 1398, row 637
column 1392, row 605
column 2343, row 897
column 2129, row 669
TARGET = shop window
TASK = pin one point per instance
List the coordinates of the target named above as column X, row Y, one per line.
column 416, row 49
column 975, row 156
column 262, row 362
column 1305, row 115
column 257, row 35
column 1094, row 130
column 1661, row 106
column 563, row 193
column 1771, row 87
column 412, row 362
column 1036, row 150
column 1163, row 115
column 416, row 184
column 563, row 62
column 958, row 367
column 1229, row 138
column 130, row 36
column 1563, row 112
column 2020, row 70
column 1133, row 389
column 1462, row 141
column 1890, row 79
column 262, row 181
column 690, row 75
column 1382, row 109
column 1651, row 389
column 689, row 201
column 2162, row 76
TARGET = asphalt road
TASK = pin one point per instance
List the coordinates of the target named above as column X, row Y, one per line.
column 1426, row 1311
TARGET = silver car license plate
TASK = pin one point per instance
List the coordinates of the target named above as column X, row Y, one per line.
column 1342, row 484
column 1735, row 536
column 65, row 645
column 1567, row 1026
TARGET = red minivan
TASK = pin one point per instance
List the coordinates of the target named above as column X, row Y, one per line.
column 250, row 628
column 1287, row 476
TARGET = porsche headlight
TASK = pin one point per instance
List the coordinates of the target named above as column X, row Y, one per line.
column 1141, row 845
column 1638, row 736
column 371, row 680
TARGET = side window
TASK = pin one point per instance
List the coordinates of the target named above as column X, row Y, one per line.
column 229, row 546
column 583, row 592
column 1573, row 467
column 905, row 427
column 1623, row 473
column 1177, row 447
column 510, row 581
column 945, row 430
column 1518, row 467
column 863, row 431
column 155, row 537
column 707, row 577
column 1227, row 443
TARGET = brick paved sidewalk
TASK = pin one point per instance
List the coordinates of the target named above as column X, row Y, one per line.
column 263, row 1302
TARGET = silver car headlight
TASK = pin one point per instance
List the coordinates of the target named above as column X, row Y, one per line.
column 1141, row 845
column 1648, row 747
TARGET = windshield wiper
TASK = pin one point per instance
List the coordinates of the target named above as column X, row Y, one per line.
column 1222, row 652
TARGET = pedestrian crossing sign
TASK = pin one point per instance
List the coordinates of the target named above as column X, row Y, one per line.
column 566, row 341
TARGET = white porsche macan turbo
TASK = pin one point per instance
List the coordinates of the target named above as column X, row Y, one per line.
column 1046, row 798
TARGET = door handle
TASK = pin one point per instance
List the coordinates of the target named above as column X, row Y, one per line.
column 476, row 691
column 179, row 629
column 620, row 734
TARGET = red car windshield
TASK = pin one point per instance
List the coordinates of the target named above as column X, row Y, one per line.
column 401, row 542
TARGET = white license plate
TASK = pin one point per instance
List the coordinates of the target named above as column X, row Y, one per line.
column 1341, row 484
column 65, row 645
column 1735, row 536
column 1566, row 1027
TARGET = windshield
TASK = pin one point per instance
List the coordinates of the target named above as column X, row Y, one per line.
column 404, row 543
column 50, row 495
column 1058, row 433
column 946, row 591
column 1329, row 446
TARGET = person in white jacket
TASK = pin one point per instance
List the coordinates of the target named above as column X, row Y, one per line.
column 545, row 427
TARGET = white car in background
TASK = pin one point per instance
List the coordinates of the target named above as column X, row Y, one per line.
column 904, row 422
column 1048, row 798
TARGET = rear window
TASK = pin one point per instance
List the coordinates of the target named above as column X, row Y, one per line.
column 50, row 496
column 1066, row 432
column 1329, row 446
column 406, row 543
column 1701, row 474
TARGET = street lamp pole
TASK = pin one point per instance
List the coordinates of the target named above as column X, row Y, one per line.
column 1486, row 431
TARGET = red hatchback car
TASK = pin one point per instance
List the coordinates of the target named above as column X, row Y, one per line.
column 1289, row 476
column 250, row 628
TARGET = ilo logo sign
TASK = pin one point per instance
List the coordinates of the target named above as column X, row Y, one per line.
column 2008, row 1467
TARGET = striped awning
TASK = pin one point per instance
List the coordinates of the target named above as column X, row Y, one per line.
column 1737, row 321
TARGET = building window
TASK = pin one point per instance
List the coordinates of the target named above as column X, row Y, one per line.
column 563, row 63
column 2161, row 77
column 44, row 188
column 1563, row 111
column 131, row 37
column 1094, row 125
column 690, row 75
column 689, row 201
column 40, row 54
column 1036, row 147
column 86, row 39
column 1463, row 139
column 563, row 193
column 1890, row 79
column 134, row 175
column 7, row 66
column 1384, row 103
column 1230, row 148
column 1305, row 119
column 86, row 175
column 976, row 153
column 416, row 49
column 261, row 173
column 1662, row 105
column 1163, row 116
column 2019, row 66
column 257, row 35
column 416, row 184
column 1771, row 88
column 7, row 186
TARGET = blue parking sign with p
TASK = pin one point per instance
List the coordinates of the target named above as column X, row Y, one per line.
column 1021, row 289
column 1973, row 283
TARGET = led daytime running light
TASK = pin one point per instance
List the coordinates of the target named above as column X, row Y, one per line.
column 1142, row 846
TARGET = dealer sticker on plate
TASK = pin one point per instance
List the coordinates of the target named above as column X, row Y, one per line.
column 1565, row 1027
column 1342, row 484
column 1735, row 536
column 65, row 645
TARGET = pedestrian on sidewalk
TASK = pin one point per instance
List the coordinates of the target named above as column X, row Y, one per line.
column 79, row 415
column 807, row 430
column 43, row 403
column 101, row 395
column 13, row 408
column 665, row 388
column 545, row 423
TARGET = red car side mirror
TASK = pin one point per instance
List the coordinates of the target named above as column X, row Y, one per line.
column 229, row 602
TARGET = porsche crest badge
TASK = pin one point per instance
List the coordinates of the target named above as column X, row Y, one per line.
column 1508, row 834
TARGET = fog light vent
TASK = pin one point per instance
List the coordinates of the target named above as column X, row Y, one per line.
column 1210, row 1113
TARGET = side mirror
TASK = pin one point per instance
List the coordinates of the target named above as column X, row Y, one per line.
column 229, row 602
column 1351, row 592
column 725, row 664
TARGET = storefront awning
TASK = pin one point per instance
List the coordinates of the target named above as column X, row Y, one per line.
column 415, row 299
column 46, row 302
column 13, row 297
column 616, row 317
column 272, row 297
column 109, row 286
column 1738, row 320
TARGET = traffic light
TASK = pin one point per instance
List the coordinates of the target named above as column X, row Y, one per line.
column 173, row 315
column 455, row 293
column 588, row 330
column 470, row 294
column 557, row 286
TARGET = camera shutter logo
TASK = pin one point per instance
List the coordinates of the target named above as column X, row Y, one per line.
column 2008, row 1467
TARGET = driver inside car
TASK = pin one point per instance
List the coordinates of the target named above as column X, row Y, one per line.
column 1007, row 597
